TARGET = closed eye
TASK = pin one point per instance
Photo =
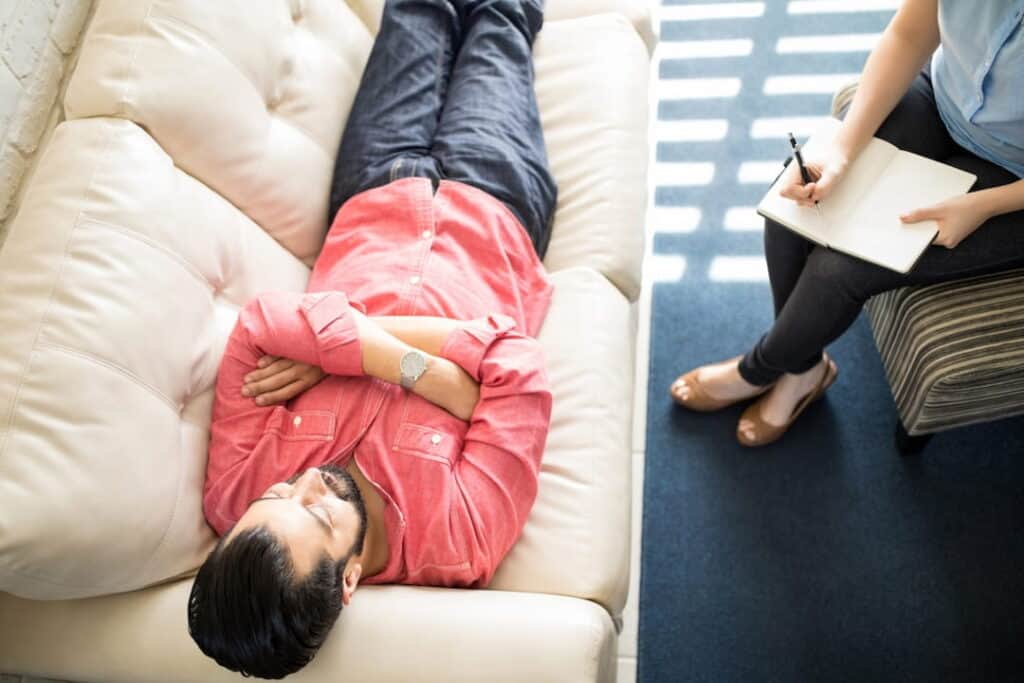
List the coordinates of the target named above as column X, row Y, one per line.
column 327, row 523
column 324, row 514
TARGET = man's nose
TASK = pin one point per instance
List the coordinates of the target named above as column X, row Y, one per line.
column 310, row 484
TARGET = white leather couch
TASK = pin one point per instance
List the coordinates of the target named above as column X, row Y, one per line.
column 190, row 174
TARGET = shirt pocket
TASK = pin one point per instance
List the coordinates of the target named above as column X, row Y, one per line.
column 425, row 442
column 302, row 425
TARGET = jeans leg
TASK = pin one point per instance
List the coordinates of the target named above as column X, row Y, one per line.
column 397, row 109
column 490, row 135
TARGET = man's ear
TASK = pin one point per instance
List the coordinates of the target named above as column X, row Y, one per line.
column 349, row 581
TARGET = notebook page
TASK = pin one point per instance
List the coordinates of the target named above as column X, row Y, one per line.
column 857, row 183
column 874, row 230
column 862, row 173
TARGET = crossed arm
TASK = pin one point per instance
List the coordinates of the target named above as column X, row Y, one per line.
column 483, row 371
column 384, row 340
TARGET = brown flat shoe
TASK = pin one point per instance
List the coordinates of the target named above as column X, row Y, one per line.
column 699, row 399
column 765, row 432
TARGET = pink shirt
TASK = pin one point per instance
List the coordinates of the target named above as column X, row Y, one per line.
column 456, row 494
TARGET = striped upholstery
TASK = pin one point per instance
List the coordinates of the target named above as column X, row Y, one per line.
column 953, row 352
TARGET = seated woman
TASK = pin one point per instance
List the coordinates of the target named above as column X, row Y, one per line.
column 965, row 109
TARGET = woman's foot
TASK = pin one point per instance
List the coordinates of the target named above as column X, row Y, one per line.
column 712, row 387
column 769, row 418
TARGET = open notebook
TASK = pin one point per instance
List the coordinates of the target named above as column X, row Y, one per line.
column 862, row 216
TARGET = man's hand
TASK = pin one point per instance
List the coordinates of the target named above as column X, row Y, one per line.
column 279, row 379
column 447, row 385
column 957, row 218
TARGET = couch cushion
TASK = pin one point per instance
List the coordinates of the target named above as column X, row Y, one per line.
column 636, row 11
column 576, row 541
column 248, row 97
column 387, row 634
column 256, row 111
column 592, row 90
column 119, row 283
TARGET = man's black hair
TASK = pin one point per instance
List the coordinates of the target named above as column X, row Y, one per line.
column 248, row 612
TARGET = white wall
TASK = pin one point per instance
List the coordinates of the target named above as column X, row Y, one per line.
column 37, row 38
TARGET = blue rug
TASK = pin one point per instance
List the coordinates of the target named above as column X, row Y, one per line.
column 825, row 557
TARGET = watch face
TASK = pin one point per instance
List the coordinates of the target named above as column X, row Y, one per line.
column 413, row 364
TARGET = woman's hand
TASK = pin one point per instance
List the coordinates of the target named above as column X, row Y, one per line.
column 825, row 175
column 957, row 218
column 279, row 379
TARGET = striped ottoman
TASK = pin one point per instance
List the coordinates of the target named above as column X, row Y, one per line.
column 953, row 352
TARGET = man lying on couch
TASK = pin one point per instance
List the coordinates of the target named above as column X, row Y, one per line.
column 418, row 404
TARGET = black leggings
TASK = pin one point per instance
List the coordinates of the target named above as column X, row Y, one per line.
column 818, row 293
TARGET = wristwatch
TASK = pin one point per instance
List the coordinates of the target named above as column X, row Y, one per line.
column 412, row 366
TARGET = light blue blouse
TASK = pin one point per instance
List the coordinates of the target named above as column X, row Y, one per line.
column 978, row 78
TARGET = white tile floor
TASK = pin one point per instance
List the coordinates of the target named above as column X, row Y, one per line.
column 627, row 665
column 630, row 615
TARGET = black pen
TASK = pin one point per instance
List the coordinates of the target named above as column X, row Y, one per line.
column 803, row 169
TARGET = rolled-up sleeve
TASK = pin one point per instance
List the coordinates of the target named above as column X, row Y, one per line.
column 317, row 329
column 498, row 470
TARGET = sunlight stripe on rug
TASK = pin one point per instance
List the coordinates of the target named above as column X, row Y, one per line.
column 806, row 84
column 687, row 130
column 718, row 10
column 840, row 6
column 683, row 173
column 698, row 88
column 779, row 126
column 738, row 269
column 841, row 42
column 760, row 172
column 674, row 219
column 705, row 49
column 742, row 219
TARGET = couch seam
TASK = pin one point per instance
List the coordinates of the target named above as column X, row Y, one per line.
column 170, row 518
column 12, row 412
column 301, row 129
column 171, row 403
column 271, row 116
column 186, row 265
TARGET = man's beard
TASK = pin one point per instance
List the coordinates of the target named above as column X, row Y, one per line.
column 342, row 485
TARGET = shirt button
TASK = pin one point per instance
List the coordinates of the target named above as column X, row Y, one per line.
column 435, row 439
column 297, row 421
column 427, row 234
column 414, row 280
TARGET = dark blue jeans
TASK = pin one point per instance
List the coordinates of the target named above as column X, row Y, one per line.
column 447, row 94
column 818, row 292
